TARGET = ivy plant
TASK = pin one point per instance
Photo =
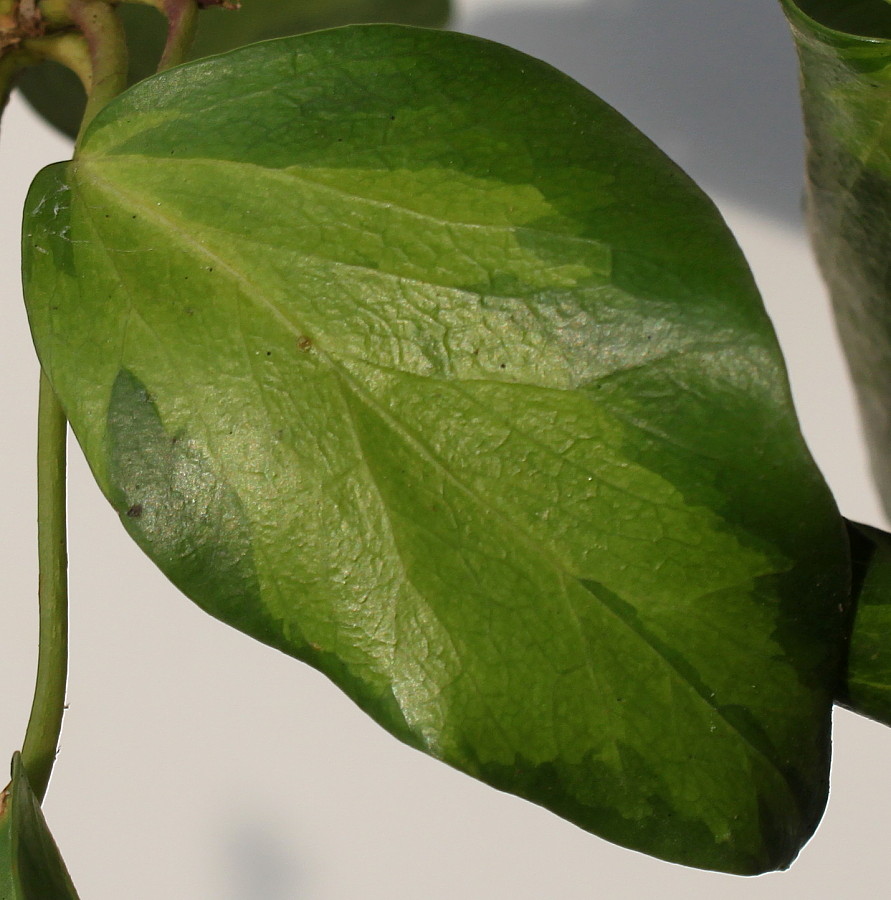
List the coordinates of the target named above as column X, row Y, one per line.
column 404, row 354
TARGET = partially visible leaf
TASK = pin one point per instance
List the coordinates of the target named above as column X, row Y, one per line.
column 846, row 92
column 7, row 888
column 402, row 352
column 57, row 95
column 866, row 688
column 30, row 865
column 863, row 18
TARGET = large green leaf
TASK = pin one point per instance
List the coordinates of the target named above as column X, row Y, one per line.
column 56, row 93
column 846, row 91
column 402, row 352
column 30, row 865
column 866, row 687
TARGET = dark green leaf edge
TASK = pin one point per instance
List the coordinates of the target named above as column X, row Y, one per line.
column 866, row 683
column 842, row 23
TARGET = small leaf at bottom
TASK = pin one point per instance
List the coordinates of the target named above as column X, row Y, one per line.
column 30, row 865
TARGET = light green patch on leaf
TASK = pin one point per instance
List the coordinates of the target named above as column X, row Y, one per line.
column 30, row 865
column 489, row 427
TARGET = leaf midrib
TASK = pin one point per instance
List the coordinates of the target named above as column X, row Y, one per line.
column 561, row 570
column 289, row 174
column 365, row 457
column 254, row 293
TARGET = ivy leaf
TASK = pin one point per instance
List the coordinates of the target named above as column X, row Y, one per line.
column 57, row 95
column 30, row 865
column 845, row 55
column 405, row 354
column 867, row 684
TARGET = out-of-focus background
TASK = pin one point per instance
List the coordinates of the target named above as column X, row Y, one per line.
column 196, row 764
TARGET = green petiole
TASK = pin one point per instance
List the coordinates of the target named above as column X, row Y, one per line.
column 45, row 723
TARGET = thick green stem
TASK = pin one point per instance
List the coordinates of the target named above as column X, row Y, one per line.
column 181, row 21
column 102, row 28
column 67, row 49
column 45, row 724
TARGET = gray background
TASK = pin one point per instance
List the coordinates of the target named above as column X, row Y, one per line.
column 198, row 765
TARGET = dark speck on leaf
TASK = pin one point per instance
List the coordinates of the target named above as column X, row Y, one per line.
column 269, row 353
column 135, row 511
column 503, row 366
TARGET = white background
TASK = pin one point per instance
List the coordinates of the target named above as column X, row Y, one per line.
column 198, row 765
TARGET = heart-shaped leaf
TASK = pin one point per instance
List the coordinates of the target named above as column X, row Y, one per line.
column 57, row 95
column 845, row 55
column 402, row 352
column 30, row 865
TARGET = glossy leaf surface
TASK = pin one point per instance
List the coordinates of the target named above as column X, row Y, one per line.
column 867, row 685
column 846, row 92
column 57, row 95
column 30, row 865
column 403, row 353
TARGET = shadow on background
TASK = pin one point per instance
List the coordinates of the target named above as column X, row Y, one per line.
column 713, row 82
column 258, row 866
